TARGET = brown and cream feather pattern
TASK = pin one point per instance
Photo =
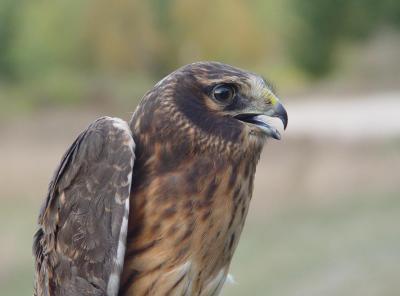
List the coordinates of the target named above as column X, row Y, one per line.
column 196, row 138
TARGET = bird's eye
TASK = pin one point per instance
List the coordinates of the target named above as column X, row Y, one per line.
column 223, row 93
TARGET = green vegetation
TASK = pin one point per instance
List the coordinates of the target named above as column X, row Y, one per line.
column 323, row 24
column 58, row 52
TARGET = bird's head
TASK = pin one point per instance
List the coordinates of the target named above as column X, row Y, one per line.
column 219, row 100
column 234, row 96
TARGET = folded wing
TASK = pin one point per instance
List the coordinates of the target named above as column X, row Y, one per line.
column 80, row 245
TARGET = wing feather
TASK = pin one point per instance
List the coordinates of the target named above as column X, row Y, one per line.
column 80, row 245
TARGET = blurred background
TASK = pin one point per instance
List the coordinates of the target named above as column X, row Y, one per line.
column 325, row 213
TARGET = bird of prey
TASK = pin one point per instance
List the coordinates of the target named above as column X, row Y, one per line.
column 157, row 207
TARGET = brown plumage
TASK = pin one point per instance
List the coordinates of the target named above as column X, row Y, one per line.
column 189, row 156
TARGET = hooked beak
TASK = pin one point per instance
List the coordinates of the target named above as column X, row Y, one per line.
column 275, row 109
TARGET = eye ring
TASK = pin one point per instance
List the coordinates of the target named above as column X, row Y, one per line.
column 223, row 93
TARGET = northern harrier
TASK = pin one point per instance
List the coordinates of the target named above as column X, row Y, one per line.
column 157, row 207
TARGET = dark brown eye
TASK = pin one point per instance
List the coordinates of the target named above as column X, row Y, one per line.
column 223, row 93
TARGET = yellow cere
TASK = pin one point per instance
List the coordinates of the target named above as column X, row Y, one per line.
column 271, row 97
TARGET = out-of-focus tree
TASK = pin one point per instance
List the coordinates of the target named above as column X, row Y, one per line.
column 8, row 24
column 225, row 31
column 317, row 30
column 44, row 38
column 47, row 38
column 120, row 36
column 156, row 36
column 322, row 24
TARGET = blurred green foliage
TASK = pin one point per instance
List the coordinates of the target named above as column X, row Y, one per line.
column 56, row 51
column 323, row 24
